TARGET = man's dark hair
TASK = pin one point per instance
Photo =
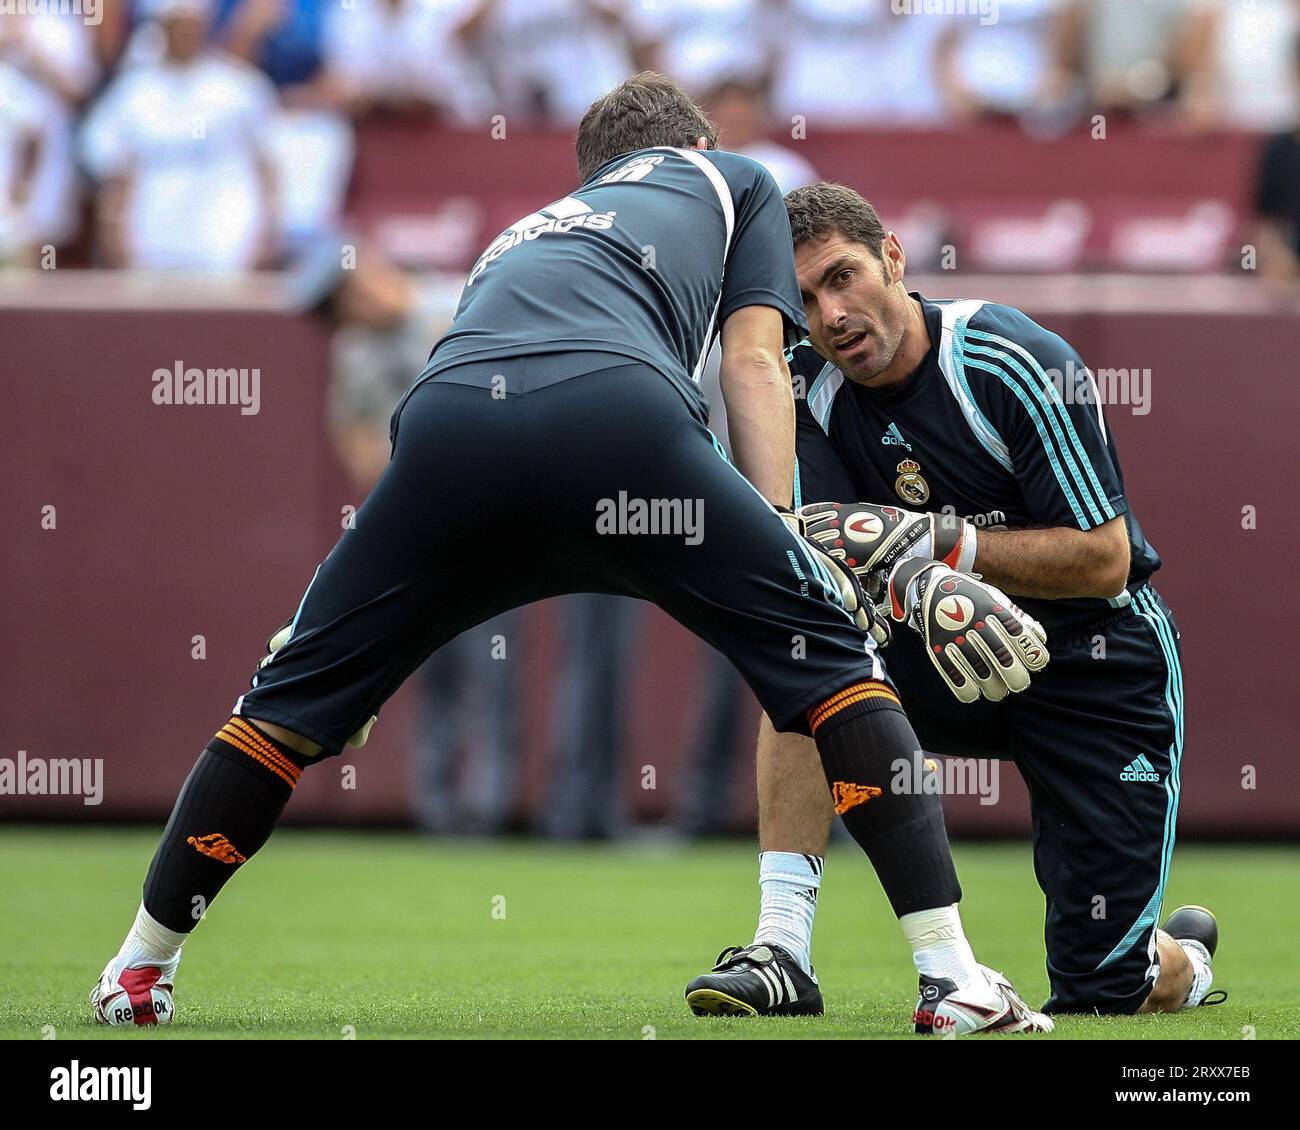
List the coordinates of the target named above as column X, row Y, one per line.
column 826, row 209
column 645, row 110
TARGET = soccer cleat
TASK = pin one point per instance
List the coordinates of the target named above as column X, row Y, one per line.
column 756, row 980
column 1196, row 924
column 138, row 994
column 1193, row 925
column 990, row 1006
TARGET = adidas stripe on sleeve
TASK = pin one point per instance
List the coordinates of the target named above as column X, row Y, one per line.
column 1049, row 415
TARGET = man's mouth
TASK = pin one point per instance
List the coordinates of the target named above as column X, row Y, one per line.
column 850, row 343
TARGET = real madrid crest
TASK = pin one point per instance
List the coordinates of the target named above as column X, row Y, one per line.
column 910, row 486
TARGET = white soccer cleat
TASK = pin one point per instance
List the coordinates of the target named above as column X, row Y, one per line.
column 990, row 1005
column 133, row 991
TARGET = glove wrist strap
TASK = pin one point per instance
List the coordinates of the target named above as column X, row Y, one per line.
column 952, row 542
column 903, row 585
column 969, row 543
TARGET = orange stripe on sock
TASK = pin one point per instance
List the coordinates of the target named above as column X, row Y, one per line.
column 847, row 697
column 258, row 741
column 271, row 757
column 854, row 695
column 867, row 691
column 239, row 744
column 233, row 738
column 840, row 697
column 253, row 736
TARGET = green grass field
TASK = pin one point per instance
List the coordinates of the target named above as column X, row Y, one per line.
column 330, row 934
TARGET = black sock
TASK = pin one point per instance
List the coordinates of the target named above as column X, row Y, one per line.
column 860, row 733
column 225, row 812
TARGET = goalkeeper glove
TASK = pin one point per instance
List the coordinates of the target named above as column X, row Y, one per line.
column 278, row 641
column 852, row 596
column 871, row 539
column 979, row 642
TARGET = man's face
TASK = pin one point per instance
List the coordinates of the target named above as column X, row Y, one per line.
column 186, row 31
column 857, row 312
column 737, row 114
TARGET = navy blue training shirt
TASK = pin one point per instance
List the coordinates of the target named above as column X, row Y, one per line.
column 645, row 260
column 1000, row 424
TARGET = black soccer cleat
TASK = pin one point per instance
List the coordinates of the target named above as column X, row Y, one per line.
column 757, row 980
column 1196, row 924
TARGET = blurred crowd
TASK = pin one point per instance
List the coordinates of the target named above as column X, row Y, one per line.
column 142, row 100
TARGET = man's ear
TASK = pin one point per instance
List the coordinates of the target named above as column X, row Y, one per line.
column 701, row 143
column 895, row 258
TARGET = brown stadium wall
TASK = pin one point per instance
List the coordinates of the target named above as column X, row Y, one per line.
column 176, row 522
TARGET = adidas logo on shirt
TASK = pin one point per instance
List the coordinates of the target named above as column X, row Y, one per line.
column 894, row 438
column 1140, row 769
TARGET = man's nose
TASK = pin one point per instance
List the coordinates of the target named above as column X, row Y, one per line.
column 832, row 313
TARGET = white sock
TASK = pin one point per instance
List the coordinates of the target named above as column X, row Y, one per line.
column 788, row 883
column 939, row 945
column 151, row 940
column 1202, row 974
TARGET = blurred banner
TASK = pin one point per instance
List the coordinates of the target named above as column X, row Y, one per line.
column 1125, row 198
